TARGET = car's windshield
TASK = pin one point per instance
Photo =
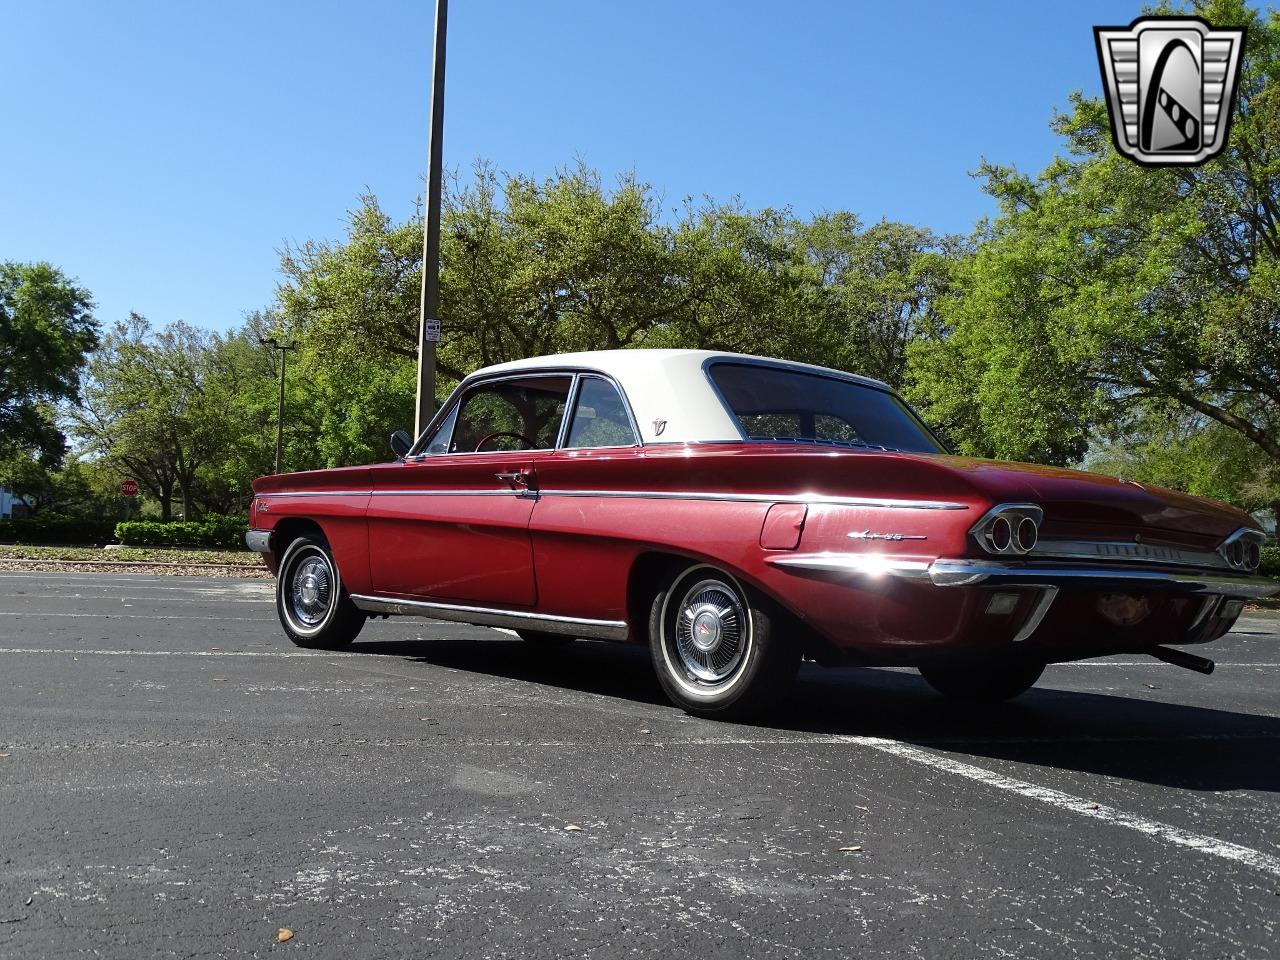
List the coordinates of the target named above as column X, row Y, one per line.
column 771, row 403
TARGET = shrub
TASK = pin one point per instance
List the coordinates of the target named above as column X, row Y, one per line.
column 210, row 531
column 54, row 528
column 1270, row 562
column 225, row 531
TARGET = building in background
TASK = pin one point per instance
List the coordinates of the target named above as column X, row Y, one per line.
column 12, row 507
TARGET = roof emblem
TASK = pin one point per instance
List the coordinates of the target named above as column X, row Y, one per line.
column 658, row 426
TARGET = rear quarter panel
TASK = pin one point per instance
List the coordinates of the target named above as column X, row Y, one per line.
column 600, row 510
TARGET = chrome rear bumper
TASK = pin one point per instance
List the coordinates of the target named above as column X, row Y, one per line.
column 964, row 573
column 1032, row 573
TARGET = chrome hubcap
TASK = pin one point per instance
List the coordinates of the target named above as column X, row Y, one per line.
column 311, row 590
column 710, row 636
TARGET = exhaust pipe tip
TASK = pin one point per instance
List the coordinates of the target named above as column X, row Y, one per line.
column 1180, row 658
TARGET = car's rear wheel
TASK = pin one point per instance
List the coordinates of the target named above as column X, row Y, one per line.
column 540, row 638
column 717, row 647
column 982, row 680
column 314, row 608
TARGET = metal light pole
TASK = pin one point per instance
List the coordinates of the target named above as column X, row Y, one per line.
column 283, row 349
column 429, row 322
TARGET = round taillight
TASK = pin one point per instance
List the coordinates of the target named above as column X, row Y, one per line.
column 1001, row 533
column 1237, row 553
column 1028, row 534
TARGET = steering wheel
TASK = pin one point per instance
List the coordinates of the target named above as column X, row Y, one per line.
column 529, row 444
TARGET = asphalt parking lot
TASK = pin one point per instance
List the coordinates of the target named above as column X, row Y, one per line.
column 177, row 780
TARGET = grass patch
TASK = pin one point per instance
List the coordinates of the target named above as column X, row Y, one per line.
column 239, row 558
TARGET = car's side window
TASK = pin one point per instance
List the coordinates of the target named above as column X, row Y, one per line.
column 517, row 414
column 600, row 417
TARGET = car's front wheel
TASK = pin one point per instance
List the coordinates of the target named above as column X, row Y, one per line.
column 717, row 647
column 313, row 607
column 982, row 680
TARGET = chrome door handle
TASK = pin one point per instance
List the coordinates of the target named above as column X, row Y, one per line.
column 517, row 477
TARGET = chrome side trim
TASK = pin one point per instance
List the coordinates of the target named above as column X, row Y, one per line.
column 963, row 573
column 1047, row 596
column 760, row 498
column 314, row 493
column 258, row 540
column 455, row 493
column 873, row 565
column 491, row 617
column 570, row 405
column 812, row 498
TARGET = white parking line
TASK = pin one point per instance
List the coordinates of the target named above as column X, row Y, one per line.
column 1210, row 846
column 191, row 595
column 73, row 652
column 127, row 616
column 1150, row 663
column 184, row 584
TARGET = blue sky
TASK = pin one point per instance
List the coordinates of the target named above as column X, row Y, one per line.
column 162, row 153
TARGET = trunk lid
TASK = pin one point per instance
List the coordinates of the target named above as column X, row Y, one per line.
column 1080, row 505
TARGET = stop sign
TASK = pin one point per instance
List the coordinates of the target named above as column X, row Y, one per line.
column 129, row 488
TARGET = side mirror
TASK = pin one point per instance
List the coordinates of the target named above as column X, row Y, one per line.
column 400, row 444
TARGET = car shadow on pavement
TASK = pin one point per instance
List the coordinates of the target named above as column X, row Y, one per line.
column 601, row 668
column 1124, row 736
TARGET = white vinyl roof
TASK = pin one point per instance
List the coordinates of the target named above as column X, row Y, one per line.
column 664, row 387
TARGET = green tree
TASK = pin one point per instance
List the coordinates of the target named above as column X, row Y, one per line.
column 1173, row 447
column 533, row 267
column 161, row 407
column 46, row 331
column 75, row 488
column 238, row 389
column 527, row 267
column 1104, row 288
column 824, row 291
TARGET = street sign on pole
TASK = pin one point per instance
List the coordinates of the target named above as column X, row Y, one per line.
column 129, row 488
column 431, row 331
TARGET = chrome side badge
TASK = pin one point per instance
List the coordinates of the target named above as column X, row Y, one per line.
column 658, row 427
column 868, row 535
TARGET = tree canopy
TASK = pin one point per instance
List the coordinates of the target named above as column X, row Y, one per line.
column 1106, row 291
column 46, row 331
column 533, row 267
column 1121, row 316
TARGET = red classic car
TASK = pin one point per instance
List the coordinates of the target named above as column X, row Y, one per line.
column 737, row 514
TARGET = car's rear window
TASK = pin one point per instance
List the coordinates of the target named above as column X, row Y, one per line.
column 772, row 403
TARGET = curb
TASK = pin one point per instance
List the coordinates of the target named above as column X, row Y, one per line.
column 229, row 570
column 137, row 563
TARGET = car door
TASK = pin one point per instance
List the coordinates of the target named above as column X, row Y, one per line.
column 453, row 524
column 584, row 527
